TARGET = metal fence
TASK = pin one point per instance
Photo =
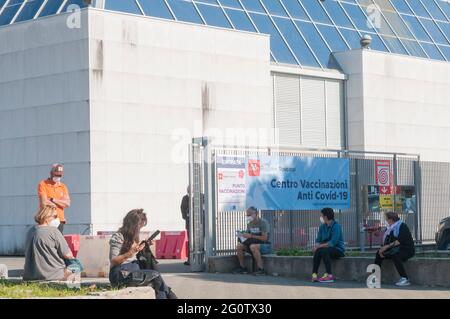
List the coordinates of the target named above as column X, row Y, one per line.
column 298, row 229
column 435, row 197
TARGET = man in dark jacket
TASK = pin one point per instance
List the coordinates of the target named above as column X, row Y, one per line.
column 185, row 215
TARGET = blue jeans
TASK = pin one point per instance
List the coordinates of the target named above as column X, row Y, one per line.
column 153, row 279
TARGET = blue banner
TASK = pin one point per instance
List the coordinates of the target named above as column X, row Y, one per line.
column 297, row 183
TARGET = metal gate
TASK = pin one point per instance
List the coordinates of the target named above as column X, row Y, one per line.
column 213, row 231
column 196, row 205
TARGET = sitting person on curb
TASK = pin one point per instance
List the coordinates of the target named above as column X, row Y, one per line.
column 398, row 246
column 125, row 267
column 46, row 250
column 255, row 241
column 330, row 245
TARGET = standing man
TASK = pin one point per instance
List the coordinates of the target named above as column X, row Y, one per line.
column 185, row 215
column 54, row 193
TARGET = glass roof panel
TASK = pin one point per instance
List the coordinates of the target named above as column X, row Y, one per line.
column 303, row 32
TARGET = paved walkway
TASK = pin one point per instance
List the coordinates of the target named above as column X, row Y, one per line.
column 189, row 285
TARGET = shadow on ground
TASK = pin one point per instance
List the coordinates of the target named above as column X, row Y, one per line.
column 15, row 272
column 168, row 266
column 176, row 268
column 275, row 280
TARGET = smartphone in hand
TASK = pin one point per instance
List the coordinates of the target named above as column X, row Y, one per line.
column 153, row 236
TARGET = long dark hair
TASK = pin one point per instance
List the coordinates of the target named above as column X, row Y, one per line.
column 132, row 224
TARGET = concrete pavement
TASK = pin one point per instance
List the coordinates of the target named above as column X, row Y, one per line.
column 189, row 285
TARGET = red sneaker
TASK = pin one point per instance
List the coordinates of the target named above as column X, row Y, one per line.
column 327, row 278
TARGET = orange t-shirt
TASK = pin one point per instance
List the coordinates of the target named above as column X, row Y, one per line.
column 49, row 189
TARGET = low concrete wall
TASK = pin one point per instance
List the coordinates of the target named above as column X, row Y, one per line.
column 434, row 272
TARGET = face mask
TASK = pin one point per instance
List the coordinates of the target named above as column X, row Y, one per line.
column 54, row 223
column 57, row 179
column 249, row 219
column 321, row 220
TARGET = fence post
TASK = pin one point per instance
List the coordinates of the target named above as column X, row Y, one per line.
column 339, row 155
column 359, row 222
column 214, row 206
column 208, row 212
column 191, row 203
column 418, row 184
column 291, row 232
column 394, row 164
column 196, row 218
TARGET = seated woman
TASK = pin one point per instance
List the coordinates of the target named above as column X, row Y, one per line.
column 46, row 249
column 124, row 246
column 330, row 245
column 398, row 246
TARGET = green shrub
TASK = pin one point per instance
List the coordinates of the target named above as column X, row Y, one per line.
column 293, row 252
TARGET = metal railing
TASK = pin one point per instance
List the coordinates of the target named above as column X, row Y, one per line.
column 435, row 197
column 299, row 228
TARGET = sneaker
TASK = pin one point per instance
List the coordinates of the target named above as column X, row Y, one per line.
column 314, row 278
column 240, row 270
column 187, row 263
column 403, row 282
column 327, row 278
column 259, row 271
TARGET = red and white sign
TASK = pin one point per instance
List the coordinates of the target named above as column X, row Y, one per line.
column 384, row 176
column 254, row 167
column 385, row 190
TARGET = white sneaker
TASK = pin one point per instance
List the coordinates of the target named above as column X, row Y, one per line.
column 403, row 282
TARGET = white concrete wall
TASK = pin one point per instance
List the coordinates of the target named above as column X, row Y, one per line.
column 149, row 80
column 397, row 104
column 44, row 118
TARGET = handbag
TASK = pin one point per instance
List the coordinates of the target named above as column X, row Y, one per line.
column 146, row 259
column 393, row 250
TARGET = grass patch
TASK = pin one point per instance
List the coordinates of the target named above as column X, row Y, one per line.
column 293, row 252
column 299, row 252
column 14, row 290
column 305, row 253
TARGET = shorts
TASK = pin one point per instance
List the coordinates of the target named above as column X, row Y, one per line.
column 264, row 248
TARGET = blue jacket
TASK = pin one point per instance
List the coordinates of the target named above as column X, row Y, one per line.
column 332, row 235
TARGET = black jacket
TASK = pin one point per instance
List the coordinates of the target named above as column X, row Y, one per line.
column 405, row 239
column 185, row 207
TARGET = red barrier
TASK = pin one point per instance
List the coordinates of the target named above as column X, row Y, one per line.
column 73, row 241
column 172, row 245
